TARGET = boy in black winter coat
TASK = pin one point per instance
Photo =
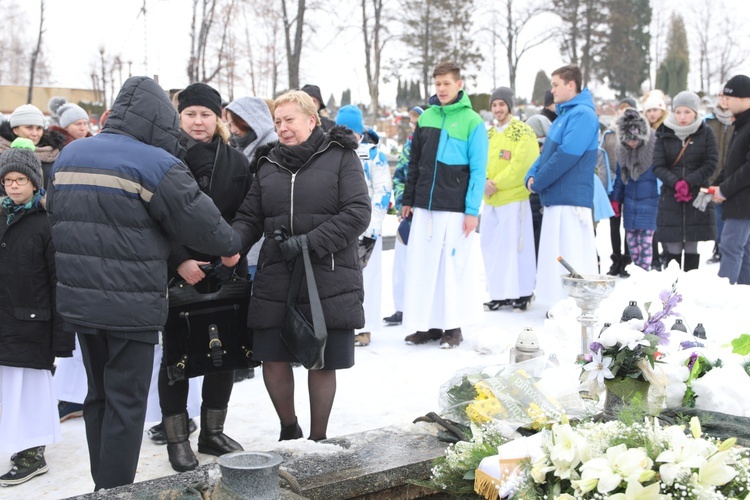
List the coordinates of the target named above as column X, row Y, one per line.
column 30, row 329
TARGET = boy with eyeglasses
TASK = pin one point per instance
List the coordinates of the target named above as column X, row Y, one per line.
column 30, row 329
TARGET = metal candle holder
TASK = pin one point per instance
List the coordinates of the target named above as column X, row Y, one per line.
column 588, row 293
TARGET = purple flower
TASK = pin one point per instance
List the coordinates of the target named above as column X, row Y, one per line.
column 692, row 360
column 689, row 344
column 595, row 346
column 657, row 328
column 669, row 301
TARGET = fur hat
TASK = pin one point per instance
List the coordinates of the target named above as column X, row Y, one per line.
column 70, row 113
column 21, row 158
column 199, row 94
column 737, row 86
column 314, row 91
column 504, row 94
column 687, row 98
column 350, row 117
column 632, row 126
column 655, row 100
column 28, row 114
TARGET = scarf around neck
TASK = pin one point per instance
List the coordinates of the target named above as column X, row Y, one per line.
column 723, row 115
column 634, row 162
column 14, row 210
column 682, row 132
column 294, row 157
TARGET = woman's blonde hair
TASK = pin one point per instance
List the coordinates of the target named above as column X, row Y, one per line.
column 222, row 130
column 302, row 100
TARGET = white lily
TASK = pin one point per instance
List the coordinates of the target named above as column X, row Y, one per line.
column 565, row 452
column 620, row 464
column 636, row 491
column 682, row 455
column 715, row 472
column 598, row 368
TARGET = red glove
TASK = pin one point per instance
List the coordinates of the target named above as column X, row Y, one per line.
column 682, row 191
column 616, row 207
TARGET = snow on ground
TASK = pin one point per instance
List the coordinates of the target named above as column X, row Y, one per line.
column 392, row 383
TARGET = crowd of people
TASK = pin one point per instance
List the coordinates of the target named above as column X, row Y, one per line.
column 116, row 248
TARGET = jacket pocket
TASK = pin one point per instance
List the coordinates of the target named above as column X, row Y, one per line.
column 31, row 314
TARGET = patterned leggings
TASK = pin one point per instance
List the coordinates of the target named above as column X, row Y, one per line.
column 639, row 243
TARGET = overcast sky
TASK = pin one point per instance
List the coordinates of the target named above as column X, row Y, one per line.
column 75, row 29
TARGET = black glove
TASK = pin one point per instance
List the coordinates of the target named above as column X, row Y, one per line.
column 290, row 244
column 222, row 273
column 291, row 247
column 364, row 250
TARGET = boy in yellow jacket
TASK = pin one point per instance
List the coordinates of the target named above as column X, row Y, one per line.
column 507, row 235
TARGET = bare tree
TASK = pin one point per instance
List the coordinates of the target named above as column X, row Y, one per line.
column 375, row 37
column 262, row 26
column 702, row 26
column 293, row 26
column 35, row 54
column 203, row 20
column 514, row 18
column 728, row 52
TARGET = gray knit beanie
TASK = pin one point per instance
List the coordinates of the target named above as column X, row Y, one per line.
column 21, row 158
column 687, row 98
column 71, row 113
column 28, row 114
column 504, row 93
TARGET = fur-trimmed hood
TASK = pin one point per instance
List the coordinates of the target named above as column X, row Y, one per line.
column 632, row 126
column 339, row 135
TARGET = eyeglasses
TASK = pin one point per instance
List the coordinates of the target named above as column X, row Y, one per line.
column 21, row 181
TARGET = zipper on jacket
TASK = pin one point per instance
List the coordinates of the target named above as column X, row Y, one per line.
column 294, row 175
column 333, row 263
column 437, row 154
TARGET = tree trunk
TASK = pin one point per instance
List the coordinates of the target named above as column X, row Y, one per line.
column 35, row 54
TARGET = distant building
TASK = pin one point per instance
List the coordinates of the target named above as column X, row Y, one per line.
column 12, row 96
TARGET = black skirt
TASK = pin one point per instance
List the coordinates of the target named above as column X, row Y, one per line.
column 339, row 353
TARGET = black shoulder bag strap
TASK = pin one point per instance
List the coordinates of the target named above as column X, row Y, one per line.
column 316, row 309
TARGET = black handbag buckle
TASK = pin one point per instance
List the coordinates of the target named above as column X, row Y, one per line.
column 214, row 344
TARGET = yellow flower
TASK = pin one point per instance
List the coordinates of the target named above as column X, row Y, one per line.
column 484, row 411
column 538, row 418
column 483, row 390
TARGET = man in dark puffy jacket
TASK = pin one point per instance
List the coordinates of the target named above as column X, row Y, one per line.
column 115, row 202
column 733, row 189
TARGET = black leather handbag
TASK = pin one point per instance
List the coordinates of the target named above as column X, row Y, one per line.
column 206, row 330
column 306, row 340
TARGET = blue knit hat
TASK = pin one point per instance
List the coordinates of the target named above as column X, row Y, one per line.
column 350, row 117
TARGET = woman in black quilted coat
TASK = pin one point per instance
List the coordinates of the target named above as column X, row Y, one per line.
column 685, row 157
column 223, row 173
column 309, row 183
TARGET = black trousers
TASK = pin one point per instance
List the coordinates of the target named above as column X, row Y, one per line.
column 615, row 238
column 119, row 374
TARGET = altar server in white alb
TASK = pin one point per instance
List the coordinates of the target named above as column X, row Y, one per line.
column 507, row 233
column 564, row 178
column 443, row 192
column 379, row 184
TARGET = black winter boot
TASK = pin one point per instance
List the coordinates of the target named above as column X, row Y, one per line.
column 625, row 261
column 692, row 261
column 671, row 257
column 180, row 453
column 614, row 269
column 291, row 431
column 212, row 439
